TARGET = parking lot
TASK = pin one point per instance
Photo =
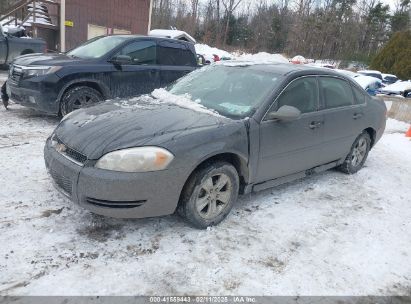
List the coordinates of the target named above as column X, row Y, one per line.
column 331, row 234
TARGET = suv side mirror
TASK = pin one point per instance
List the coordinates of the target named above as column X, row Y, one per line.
column 121, row 59
column 286, row 113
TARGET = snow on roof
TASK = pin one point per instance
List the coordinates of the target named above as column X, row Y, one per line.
column 397, row 87
column 365, row 81
column 174, row 34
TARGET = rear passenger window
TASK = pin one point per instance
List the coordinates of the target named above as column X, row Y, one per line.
column 141, row 52
column 358, row 95
column 175, row 56
column 336, row 92
column 301, row 94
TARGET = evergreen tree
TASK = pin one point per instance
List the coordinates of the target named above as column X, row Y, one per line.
column 395, row 56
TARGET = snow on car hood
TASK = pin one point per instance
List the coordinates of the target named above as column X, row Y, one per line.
column 120, row 124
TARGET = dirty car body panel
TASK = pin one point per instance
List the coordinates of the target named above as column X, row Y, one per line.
column 265, row 152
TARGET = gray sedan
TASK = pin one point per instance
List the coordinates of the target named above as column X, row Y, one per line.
column 221, row 131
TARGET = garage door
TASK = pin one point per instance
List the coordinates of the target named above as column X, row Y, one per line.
column 96, row 30
column 121, row 32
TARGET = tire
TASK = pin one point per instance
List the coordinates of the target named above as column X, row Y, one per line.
column 79, row 97
column 358, row 154
column 201, row 203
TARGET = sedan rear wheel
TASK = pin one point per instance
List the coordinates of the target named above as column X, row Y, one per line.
column 358, row 154
column 209, row 194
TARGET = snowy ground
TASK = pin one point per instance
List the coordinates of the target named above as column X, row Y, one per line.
column 328, row 234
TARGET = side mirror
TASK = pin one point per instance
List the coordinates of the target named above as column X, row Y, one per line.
column 121, row 59
column 286, row 113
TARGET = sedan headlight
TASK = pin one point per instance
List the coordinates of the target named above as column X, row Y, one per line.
column 34, row 71
column 141, row 159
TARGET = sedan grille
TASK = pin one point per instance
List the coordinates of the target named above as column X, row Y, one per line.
column 70, row 153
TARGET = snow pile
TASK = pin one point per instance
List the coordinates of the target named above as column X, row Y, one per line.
column 263, row 57
column 299, row 60
column 208, row 51
column 183, row 101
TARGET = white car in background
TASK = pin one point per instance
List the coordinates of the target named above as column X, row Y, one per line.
column 402, row 88
column 389, row 78
column 370, row 84
column 372, row 73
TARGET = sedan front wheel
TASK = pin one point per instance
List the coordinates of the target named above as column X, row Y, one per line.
column 209, row 194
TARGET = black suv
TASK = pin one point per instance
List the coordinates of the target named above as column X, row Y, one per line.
column 102, row 68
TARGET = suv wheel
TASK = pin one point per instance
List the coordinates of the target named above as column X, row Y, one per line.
column 79, row 97
column 209, row 195
column 358, row 154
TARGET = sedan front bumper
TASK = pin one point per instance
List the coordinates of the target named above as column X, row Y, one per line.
column 115, row 194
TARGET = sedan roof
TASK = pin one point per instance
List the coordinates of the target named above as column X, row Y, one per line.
column 284, row 69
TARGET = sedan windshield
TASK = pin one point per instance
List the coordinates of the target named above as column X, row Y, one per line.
column 233, row 91
column 97, row 47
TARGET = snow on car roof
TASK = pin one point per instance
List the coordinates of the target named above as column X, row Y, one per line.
column 397, row 87
column 388, row 75
column 365, row 81
column 174, row 34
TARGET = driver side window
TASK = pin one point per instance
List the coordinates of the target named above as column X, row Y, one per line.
column 140, row 52
column 301, row 93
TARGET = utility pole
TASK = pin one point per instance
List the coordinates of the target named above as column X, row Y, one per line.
column 62, row 25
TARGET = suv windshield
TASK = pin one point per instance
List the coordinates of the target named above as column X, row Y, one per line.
column 233, row 91
column 97, row 47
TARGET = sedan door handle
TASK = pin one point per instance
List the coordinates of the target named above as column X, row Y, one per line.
column 315, row 124
column 357, row 115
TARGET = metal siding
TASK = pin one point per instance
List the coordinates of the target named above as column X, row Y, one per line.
column 131, row 15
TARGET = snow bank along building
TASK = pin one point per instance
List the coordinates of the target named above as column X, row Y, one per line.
column 65, row 24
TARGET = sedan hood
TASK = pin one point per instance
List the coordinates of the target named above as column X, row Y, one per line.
column 46, row 59
column 120, row 124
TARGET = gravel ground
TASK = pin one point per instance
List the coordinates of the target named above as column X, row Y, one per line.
column 331, row 234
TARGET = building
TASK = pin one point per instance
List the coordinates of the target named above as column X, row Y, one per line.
column 65, row 24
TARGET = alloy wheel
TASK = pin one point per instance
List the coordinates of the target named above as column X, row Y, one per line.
column 214, row 195
column 359, row 152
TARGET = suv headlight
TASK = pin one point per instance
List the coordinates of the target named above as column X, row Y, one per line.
column 140, row 159
column 34, row 71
